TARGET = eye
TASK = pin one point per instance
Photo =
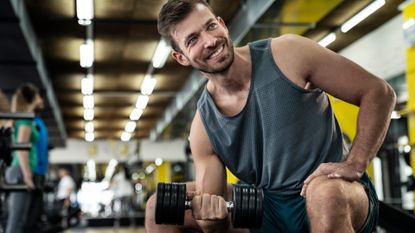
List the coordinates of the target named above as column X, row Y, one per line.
column 191, row 41
column 212, row 26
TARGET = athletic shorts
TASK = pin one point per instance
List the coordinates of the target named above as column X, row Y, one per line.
column 287, row 213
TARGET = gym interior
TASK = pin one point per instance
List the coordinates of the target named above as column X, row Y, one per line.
column 118, row 108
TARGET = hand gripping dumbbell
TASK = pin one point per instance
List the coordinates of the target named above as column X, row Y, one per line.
column 245, row 207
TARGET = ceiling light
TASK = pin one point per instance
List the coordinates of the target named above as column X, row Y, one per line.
column 88, row 101
column 408, row 23
column 84, row 11
column 130, row 126
column 136, row 114
column 142, row 101
column 88, row 114
column 158, row 161
column 359, row 17
column 89, row 127
column 395, row 115
column 327, row 39
column 89, row 137
column 125, row 137
column 87, row 54
column 87, row 86
column 148, row 84
column 161, row 54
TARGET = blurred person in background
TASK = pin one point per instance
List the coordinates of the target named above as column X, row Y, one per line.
column 123, row 191
column 36, row 205
column 66, row 187
column 25, row 99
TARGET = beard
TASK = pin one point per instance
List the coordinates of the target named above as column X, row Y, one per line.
column 225, row 62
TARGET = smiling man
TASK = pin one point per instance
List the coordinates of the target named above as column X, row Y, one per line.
column 266, row 116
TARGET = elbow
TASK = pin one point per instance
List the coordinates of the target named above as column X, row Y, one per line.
column 389, row 96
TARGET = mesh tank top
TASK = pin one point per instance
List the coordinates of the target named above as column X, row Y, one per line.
column 281, row 135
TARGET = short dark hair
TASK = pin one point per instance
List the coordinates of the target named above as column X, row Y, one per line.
column 173, row 12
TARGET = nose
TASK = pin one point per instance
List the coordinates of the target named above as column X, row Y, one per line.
column 210, row 40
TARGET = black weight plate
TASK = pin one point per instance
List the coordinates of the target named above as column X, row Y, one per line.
column 181, row 198
column 251, row 207
column 236, row 212
column 259, row 209
column 245, row 208
column 166, row 204
column 173, row 204
column 159, row 203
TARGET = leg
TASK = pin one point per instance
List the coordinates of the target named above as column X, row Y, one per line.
column 17, row 207
column 336, row 205
column 189, row 221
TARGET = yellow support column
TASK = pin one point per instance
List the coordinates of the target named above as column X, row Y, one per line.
column 230, row 178
column 163, row 173
column 408, row 13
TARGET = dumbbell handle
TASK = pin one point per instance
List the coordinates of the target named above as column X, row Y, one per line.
column 229, row 204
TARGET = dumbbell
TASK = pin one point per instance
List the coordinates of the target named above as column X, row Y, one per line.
column 245, row 207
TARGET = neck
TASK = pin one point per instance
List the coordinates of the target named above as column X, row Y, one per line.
column 234, row 79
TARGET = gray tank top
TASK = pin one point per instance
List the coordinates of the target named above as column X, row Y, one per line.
column 281, row 135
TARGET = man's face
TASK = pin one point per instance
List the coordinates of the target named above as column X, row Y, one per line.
column 204, row 41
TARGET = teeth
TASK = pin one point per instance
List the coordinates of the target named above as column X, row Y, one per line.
column 216, row 53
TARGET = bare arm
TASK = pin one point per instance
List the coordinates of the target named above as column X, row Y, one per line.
column 23, row 133
column 347, row 81
column 210, row 179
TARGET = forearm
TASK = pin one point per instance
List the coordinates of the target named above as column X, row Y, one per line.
column 372, row 125
column 23, row 158
column 211, row 179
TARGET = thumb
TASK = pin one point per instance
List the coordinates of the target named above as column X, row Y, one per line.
column 191, row 194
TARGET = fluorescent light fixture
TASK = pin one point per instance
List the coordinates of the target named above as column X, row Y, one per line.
column 89, row 136
column 161, row 54
column 125, row 137
column 148, row 84
column 136, row 114
column 328, row 39
column 89, row 127
column 88, row 101
column 85, row 11
column 142, row 102
column 408, row 23
column 130, row 126
column 87, row 54
column 87, row 86
column 88, row 114
column 363, row 14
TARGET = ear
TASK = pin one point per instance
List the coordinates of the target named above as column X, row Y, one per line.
column 221, row 22
column 180, row 58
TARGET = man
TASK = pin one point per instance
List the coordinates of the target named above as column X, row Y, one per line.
column 264, row 114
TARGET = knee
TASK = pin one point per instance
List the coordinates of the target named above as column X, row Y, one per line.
column 326, row 194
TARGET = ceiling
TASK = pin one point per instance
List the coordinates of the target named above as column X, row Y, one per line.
column 125, row 36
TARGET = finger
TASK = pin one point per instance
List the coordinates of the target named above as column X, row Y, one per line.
column 312, row 176
column 196, row 206
column 223, row 211
column 334, row 175
column 191, row 194
column 303, row 190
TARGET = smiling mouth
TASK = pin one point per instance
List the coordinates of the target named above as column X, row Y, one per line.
column 217, row 52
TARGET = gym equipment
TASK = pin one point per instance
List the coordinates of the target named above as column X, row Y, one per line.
column 7, row 147
column 245, row 207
